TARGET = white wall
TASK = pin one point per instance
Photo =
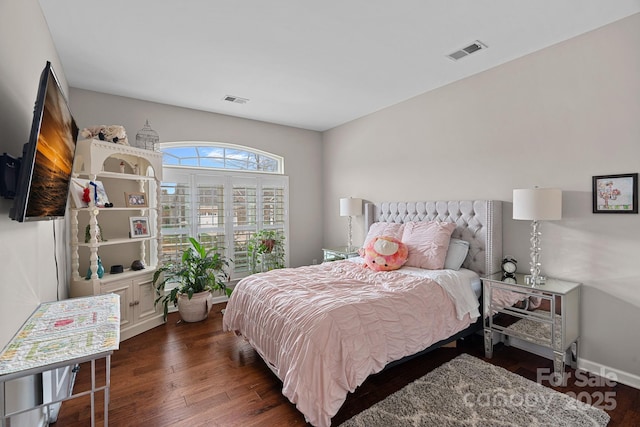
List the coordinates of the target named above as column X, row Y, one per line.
column 553, row 118
column 301, row 149
column 27, row 250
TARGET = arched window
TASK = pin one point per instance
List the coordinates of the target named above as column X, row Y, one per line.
column 221, row 194
column 220, row 156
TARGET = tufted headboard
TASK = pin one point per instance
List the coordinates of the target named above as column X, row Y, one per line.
column 479, row 222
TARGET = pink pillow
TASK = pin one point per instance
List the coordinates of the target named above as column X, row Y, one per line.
column 378, row 229
column 427, row 242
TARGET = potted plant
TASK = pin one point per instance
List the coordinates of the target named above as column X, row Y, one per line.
column 266, row 251
column 200, row 272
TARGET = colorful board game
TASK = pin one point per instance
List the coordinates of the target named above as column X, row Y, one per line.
column 64, row 330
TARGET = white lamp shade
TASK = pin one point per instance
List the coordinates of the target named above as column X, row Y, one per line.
column 537, row 204
column 350, row 206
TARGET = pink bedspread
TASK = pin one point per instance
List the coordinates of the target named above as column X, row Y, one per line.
column 324, row 329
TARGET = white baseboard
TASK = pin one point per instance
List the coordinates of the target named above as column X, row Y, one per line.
column 219, row 299
column 604, row 371
column 622, row 377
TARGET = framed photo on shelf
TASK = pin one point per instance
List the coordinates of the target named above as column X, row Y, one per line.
column 615, row 193
column 135, row 200
column 139, row 227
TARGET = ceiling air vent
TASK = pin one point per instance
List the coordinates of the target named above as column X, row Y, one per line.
column 466, row 51
column 235, row 99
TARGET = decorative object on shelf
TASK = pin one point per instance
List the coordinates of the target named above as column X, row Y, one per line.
column 112, row 133
column 350, row 207
column 147, row 138
column 98, row 194
column 615, row 193
column 200, row 272
column 266, row 251
column 135, row 200
column 139, row 227
column 80, row 192
column 136, row 170
column 99, row 236
column 537, row 204
column 137, row 265
column 116, row 269
column 100, row 271
column 121, row 167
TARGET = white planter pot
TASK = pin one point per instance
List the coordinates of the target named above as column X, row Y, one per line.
column 195, row 309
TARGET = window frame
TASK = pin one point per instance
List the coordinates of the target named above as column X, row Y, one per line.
column 225, row 146
column 195, row 176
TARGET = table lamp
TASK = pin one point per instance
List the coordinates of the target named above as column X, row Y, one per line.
column 350, row 207
column 537, row 204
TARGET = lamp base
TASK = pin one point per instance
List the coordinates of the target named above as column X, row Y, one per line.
column 533, row 281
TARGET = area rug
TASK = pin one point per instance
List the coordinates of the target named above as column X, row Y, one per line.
column 467, row 391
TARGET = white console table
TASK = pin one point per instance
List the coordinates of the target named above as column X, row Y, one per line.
column 59, row 334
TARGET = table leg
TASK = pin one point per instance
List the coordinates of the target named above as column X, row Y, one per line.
column 3, row 403
column 558, row 362
column 573, row 356
column 106, row 389
column 93, row 392
column 488, row 343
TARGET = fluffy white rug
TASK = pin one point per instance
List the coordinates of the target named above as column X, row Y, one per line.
column 467, row 391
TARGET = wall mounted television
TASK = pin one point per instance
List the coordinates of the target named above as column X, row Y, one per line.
column 42, row 186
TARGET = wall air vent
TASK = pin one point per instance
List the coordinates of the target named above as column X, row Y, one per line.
column 474, row 47
column 235, row 99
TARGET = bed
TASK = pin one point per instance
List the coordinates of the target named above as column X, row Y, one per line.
column 324, row 329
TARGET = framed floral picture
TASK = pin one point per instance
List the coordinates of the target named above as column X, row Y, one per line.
column 615, row 193
column 139, row 227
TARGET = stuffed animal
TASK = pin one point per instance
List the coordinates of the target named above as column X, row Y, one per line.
column 384, row 253
column 112, row 133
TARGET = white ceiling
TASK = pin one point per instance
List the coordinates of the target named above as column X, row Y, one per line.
column 309, row 64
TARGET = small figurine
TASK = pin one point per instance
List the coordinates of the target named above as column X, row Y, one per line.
column 121, row 167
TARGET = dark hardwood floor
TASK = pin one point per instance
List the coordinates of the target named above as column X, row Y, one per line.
column 193, row 374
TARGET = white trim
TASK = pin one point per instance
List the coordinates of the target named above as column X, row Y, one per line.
column 622, row 377
column 604, row 371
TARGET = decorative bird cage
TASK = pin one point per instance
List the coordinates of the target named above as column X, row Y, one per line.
column 147, row 138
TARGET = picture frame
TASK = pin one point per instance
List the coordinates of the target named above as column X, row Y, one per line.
column 615, row 193
column 139, row 227
column 135, row 200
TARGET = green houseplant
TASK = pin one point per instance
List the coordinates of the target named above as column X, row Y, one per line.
column 199, row 272
column 266, row 251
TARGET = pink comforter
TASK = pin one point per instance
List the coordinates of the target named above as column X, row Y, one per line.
column 324, row 329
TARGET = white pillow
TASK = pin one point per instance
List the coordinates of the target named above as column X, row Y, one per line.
column 456, row 254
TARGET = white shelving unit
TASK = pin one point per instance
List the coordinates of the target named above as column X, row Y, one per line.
column 100, row 161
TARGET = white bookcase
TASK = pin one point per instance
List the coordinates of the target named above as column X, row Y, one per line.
column 121, row 170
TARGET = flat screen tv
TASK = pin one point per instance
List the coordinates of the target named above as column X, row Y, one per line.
column 45, row 171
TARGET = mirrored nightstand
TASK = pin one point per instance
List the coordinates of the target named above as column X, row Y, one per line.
column 339, row 253
column 545, row 314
